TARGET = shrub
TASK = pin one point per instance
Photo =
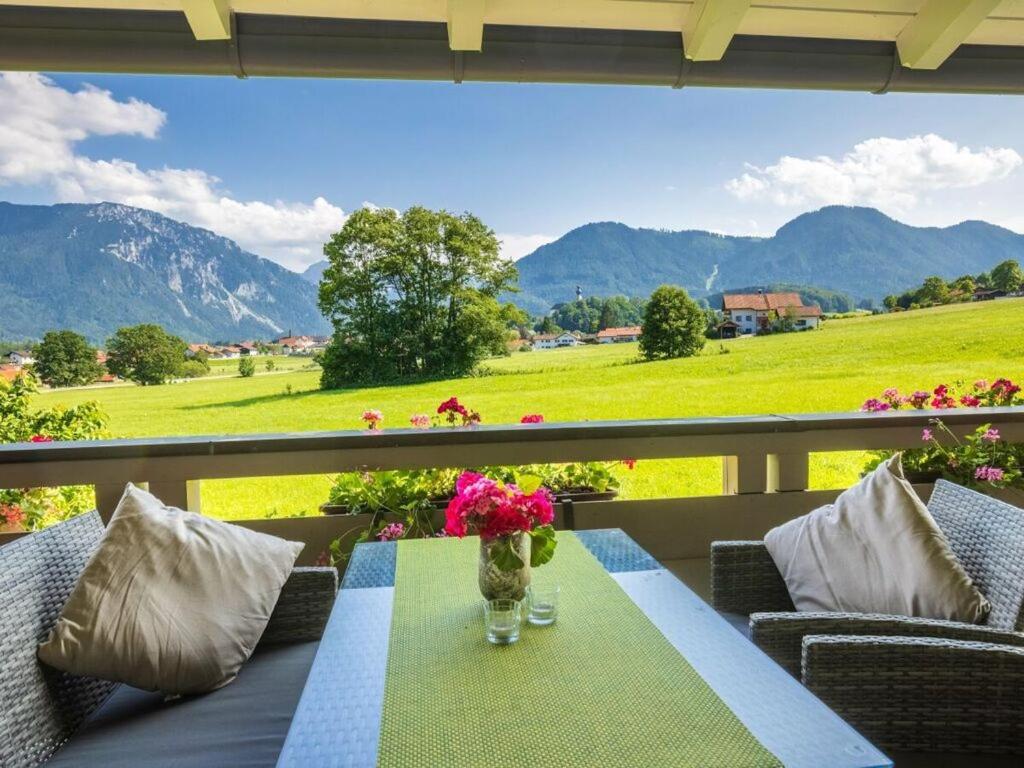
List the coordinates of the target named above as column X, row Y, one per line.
column 195, row 369
column 34, row 508
column 246, row 367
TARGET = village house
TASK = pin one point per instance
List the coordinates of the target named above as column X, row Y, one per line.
column 21, row 357
column 195, row 349
column 299, row 345
column 754, row 313
column 553, row 340
column 618, row 335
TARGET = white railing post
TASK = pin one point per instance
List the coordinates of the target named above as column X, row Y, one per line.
column 788, row 472
column 745, row 473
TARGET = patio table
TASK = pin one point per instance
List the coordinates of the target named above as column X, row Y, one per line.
column 637, row 670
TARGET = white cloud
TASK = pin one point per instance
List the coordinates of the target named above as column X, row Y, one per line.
column 516, row 246
column 40, row 123
column 892, row 174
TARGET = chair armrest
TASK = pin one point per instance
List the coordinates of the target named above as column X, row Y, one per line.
column 304, row 606
column 744, row 579
column 781, row 635
column 922, row 694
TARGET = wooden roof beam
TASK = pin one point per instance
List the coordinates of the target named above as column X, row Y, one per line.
column 709, row 27
column 209, row 19
column 938, row 29
column 466, row 25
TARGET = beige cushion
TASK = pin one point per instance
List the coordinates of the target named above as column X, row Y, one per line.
column 170, row 601
column 876, row 550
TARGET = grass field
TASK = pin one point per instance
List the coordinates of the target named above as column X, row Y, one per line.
column 833, row 369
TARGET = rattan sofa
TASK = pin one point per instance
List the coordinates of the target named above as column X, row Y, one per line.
column 62, row 720
column 918, row 685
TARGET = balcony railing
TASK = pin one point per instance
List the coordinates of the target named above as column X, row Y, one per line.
column 765, row 466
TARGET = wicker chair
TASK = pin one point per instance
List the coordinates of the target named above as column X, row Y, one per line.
column 920, row 685
column 40, row 708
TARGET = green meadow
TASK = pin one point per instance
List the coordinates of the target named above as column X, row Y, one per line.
column 829, row 370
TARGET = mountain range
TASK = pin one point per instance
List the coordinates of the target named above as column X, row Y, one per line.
column 858, row 251
column 95, row 268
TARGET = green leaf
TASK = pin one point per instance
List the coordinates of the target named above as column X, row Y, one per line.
column 542, row 545
column 528, row 483
column 504, row 556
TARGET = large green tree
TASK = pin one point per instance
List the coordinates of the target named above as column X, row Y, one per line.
column 66, row 359
column 1007, row 276
column 411, row 295
column 673, row 326
column 145, row 354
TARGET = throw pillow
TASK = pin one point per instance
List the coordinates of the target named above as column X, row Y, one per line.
column 877, row 549
column 170, row 601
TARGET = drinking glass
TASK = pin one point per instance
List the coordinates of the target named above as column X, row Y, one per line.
column 543, row 602
column 501, row 620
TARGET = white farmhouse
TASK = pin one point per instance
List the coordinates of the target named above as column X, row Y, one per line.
column 618, row 335
column 552, row 340
column 753, row 313
column 21, row 357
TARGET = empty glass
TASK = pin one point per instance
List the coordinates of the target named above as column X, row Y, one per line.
column 501, row 620
column 543, row 602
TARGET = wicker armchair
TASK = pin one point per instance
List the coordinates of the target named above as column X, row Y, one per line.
column 906, row 683
column 40, row 708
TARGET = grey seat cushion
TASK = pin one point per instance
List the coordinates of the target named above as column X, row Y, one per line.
column 240, row 725
column 739, row 620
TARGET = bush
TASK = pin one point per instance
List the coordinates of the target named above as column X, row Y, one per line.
column 673, row 326
column 32, row 508
column 246, row 367
column 195, row 369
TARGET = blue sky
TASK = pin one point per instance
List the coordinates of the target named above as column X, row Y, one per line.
column 532, row 161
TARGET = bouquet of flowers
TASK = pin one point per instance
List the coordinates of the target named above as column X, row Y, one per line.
column 502, row 513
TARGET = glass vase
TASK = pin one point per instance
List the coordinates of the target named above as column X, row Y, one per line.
column 497, row 584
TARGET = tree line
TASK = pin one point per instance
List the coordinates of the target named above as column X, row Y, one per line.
column 1006, row 277
column 145, row 354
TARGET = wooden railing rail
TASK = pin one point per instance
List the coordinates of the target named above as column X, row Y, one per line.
column 763, row 458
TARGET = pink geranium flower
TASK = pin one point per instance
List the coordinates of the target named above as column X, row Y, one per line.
column 991, row 436
column 989, row 474
column 629, row 463
column 373, row 418
column 875, row 406
column 391, row 532
column 420, row 421
column 40, row 439
column 493, row 509
column 926, row 435
column 919, row 398
column 531, row 418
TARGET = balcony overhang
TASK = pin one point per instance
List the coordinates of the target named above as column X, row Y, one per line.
column 114, row 40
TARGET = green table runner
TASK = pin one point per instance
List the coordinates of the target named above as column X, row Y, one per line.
column 602, row 686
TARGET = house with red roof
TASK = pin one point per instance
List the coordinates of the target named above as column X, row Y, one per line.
column 754, row 313
column 618, row 335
